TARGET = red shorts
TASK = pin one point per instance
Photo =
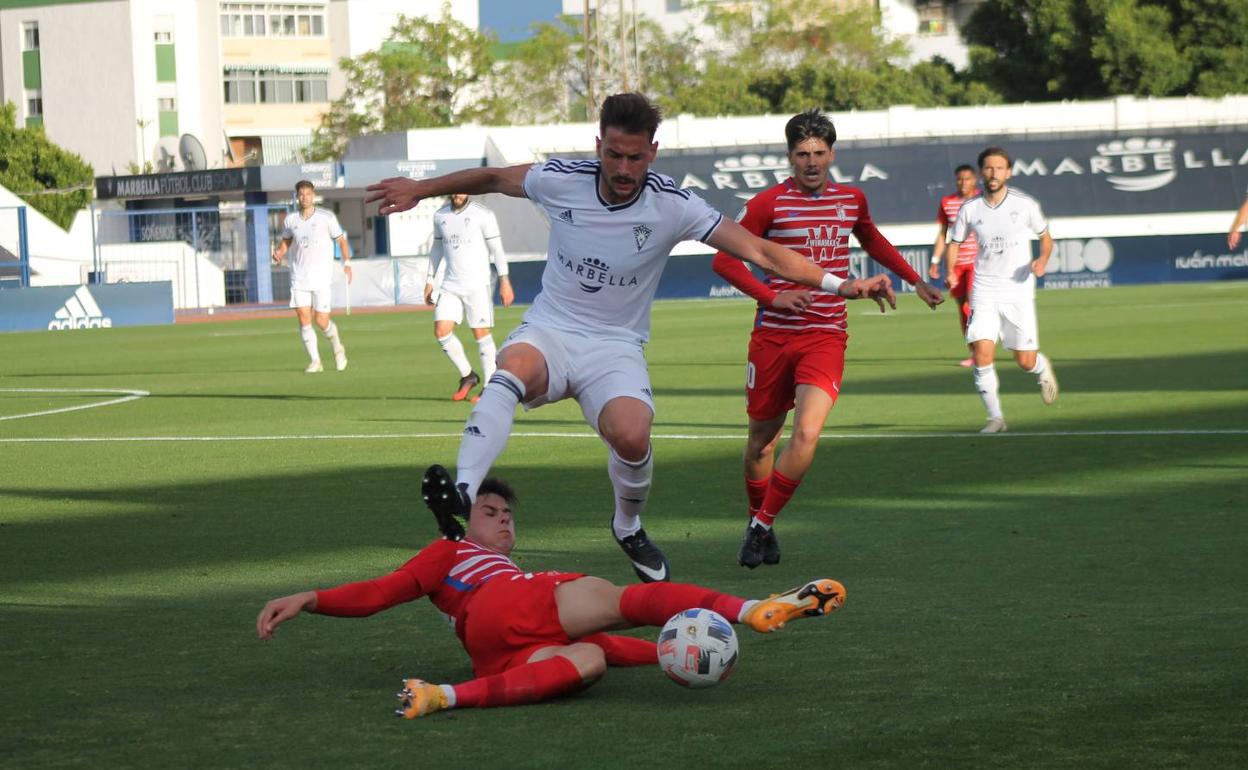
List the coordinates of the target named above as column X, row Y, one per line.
column 510, row 618
column 965, row 275
column 779, row 361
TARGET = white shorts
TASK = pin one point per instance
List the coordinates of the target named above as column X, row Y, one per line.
column 475, row 307
column 1014, row 323
column 592, row 371
column 317, row 299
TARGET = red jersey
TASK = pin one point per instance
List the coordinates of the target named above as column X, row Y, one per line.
column 445, row 571
column 950, row 205
column 817, row 226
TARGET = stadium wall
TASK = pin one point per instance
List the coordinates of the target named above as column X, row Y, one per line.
column 86, row 307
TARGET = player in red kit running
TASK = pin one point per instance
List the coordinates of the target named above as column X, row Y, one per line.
column 531, row 635
column 797, row 348
column 959, row 259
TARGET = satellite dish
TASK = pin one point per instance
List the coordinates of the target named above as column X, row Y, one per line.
column 193, row 156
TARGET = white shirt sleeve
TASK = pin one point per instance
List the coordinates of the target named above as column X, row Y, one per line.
column 494, row 242
column 436, row 253
column 287, row 233
column 335, row 229
column 533, row 183
column 698, row 219
column 1037, row 221
column 961, row 226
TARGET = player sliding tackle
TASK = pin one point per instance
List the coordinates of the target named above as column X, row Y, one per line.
column 613, row 224
column 531, row 635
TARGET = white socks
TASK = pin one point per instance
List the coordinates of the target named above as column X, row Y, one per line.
column 1042, row 365
column 309, row 342
column 450, row 694
column 631, row 482
column 488, row 428
column 987, row 384
column 745, row 609
column 485, row 346
column 455, row 351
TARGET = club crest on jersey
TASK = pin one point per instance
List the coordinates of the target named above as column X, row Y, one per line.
column 1013, row 217
column 640, row 234
column 566, row 215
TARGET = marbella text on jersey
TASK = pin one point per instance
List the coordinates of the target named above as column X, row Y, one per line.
column 593, row 273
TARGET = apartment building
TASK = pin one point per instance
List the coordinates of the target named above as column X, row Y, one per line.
column 124, row 82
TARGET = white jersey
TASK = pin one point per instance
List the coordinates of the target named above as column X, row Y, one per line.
column 604, row 261
column 311, row 255
column 1004, row 232
column 464, row 241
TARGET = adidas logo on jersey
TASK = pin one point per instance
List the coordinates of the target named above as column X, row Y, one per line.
column 640, row 234
column 80, row 312
column 566, row 215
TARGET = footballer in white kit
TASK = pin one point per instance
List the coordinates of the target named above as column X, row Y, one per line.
column 613, row 224
column 1004, row 221
column 465, row 241
column 309, row 234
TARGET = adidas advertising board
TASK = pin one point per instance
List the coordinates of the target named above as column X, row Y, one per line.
column 98, row 306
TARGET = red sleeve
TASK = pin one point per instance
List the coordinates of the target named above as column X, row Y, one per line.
column 940, row 213
column 878, row 247
column 411, row 581
column 756, row 218
column 735, row 272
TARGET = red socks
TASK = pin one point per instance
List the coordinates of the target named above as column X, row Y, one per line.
column 755, row 491
column 779, row 490
column 529, row 683
column 652, row 604
column 625, row 650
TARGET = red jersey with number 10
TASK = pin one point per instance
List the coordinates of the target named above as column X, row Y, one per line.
column 949, row 207
column 817, row 226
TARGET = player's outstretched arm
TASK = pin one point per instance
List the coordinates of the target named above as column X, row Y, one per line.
column 278, row 611
column 400, row 193
column 736, row 241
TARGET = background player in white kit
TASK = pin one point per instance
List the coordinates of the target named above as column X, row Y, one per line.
column 465, row 239
column 613, row 224
column 1003, row 295
column 313, row 231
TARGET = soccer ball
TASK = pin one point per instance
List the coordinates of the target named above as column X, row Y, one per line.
column 697, row 648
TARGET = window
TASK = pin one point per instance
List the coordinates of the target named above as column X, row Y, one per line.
column 273, row 19
column 30, row 36
column 34, row 107
column 163, row 37
column 273, row 86
column 167, row 113
column 933, row 17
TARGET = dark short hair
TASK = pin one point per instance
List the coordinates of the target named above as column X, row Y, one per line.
column 995, row 150
column 963, row 167
column 302, row 183
column 811, row 124
column 632, row 113
column 496, row 486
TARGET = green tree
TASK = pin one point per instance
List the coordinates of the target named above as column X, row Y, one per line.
column 1088, row 49
column 54, row 181
column 428, row 73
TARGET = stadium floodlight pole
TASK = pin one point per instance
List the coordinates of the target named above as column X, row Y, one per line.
column 623, row 46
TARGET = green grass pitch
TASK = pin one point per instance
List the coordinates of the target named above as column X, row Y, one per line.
column 1069, row 594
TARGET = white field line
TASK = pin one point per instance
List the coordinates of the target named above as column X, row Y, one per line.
column 129, row 395
column 661, row 436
